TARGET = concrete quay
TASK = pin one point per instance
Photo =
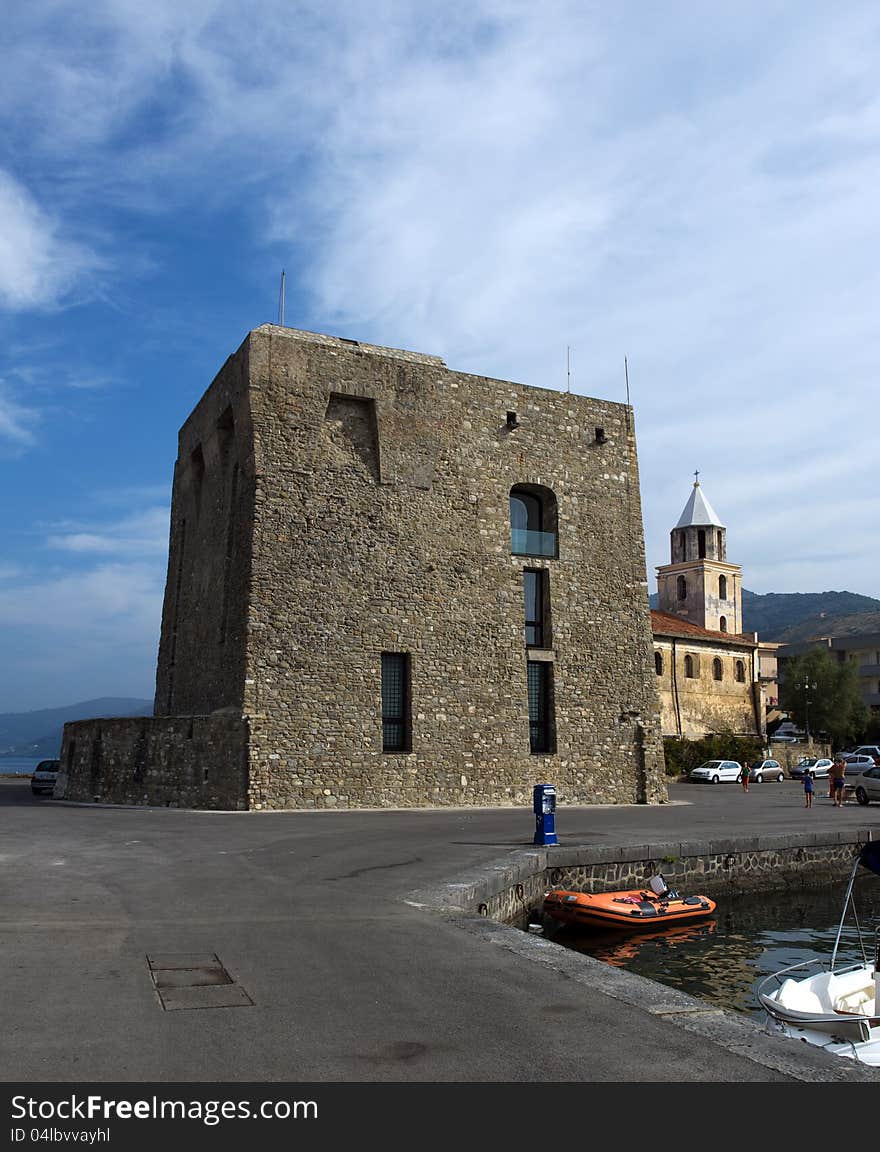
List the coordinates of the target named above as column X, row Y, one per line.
column 353, row 948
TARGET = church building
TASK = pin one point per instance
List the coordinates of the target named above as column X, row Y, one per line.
column 706, row 667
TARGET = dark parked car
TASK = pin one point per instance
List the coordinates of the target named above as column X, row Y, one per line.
column 44, row 776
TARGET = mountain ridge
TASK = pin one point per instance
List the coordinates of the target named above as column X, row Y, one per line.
column 39, row 732
column 789, row 617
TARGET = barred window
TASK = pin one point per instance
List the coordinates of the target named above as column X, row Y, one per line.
column 395, row 702
column 540, row 706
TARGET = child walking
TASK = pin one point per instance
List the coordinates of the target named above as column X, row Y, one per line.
column 808, row 788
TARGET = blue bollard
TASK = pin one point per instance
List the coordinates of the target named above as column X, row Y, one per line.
column 544, row 804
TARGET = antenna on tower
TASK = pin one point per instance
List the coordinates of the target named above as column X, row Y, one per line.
column 626, row 374
column 568, row 368
column 281, row 302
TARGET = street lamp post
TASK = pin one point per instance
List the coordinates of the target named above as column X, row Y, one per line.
column 809, row 686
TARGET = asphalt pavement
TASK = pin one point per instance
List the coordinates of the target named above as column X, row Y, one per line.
column 335, row 974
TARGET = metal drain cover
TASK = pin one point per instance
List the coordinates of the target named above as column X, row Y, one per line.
column 186, row 980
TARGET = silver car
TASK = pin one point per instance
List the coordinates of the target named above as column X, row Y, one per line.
column 857, row 763
column 763, row 770
column 867, row 785
column 818, row 768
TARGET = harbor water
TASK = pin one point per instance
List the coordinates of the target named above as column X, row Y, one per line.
column 721, row 960
column 19, row 765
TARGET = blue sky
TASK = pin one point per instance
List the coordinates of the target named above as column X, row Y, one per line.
column 690, row 186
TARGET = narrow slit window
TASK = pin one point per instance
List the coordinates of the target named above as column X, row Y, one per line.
column 535, row 596
column 395, row 702
column 722, row 587
column 658, row 663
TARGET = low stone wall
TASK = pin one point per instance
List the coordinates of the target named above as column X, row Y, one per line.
column 513, row 891
column 164, row 761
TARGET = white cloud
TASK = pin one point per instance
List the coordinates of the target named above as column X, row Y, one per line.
column 80, row 635
column 16, row 420
column 38, row 264
column 140, row 534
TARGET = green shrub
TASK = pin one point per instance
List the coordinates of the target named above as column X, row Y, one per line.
column 682, row 755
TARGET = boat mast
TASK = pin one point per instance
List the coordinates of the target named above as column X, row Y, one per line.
column 846, row 901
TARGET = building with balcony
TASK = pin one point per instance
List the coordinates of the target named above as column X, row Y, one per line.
column 392, row 584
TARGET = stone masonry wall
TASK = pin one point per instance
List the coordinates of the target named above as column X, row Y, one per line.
column 178, row 762
column 204, row 622
column 381, row 524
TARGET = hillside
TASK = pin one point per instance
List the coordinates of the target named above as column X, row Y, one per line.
column 775, row 613
column 830, row 626
column 793, row 616
column 39, row 733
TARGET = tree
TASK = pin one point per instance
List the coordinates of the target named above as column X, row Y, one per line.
column 822, row 695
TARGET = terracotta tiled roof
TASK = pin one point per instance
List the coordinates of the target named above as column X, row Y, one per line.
column 665, row 624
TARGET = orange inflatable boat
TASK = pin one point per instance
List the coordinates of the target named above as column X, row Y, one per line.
column 632, row 909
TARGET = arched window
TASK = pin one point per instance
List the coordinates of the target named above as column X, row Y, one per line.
column 682, row 588
column 722, row 624
column 533, row 521
column 740, row 672
column 689, row 667
column 658, row 663
column 722, row 587
column 717, row 670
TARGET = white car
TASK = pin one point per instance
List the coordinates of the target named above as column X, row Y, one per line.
column 44, row 776
column 714, row 771
column 867, row 786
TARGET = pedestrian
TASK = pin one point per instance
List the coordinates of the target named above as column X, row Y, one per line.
column 837, row 775
column 808, row 788
column 744, row 774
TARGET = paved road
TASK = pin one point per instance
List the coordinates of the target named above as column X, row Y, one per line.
column 308, row 913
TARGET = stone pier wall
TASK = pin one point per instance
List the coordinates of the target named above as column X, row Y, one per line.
column 168, row 761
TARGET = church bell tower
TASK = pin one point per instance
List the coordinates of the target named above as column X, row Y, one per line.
column 699, row 584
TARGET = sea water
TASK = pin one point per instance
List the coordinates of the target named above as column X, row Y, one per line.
column 723, row 959
column 19, row 765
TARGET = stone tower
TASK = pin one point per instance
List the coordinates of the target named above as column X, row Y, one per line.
column 391, row 584
column 699, row 584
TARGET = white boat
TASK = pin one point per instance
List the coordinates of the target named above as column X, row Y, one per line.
column 835, row 1009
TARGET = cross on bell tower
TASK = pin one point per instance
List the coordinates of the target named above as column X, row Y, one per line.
column 699, row 584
